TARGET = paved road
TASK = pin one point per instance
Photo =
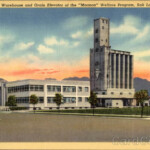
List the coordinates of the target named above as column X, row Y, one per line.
column 17, row 127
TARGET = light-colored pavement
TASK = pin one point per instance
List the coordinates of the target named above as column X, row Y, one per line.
column 18, row 127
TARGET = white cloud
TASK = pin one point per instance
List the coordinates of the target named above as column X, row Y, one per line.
column 23, row 46
column 6, row 39
column 54, row 41
column 132, row 20
column 44, row 50
column 76, row 44
column 75, row 22
column 129, row 26
column 63, row 42
column 89, row 32
column 143, row 34
column 51, row 41
column 82, row 34
column 76, row 35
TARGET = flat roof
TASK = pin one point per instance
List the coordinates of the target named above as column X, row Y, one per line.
column 47, row 81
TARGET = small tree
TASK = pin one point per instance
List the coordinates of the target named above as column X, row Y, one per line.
column 141, row 96
column 58, row 99
column 33, row 100
column 93, row 100
column 11, row 101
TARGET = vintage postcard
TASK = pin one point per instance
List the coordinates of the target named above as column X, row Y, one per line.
column 74, row 74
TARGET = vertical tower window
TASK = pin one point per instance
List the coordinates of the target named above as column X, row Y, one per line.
column 96, row 63
column 112, row 70
column 126, row 68
column 96, row 49
column 96, row 31
column 130, row 72
column 121, row 71
column 117, row 68
column 102, row 27
column 96, row 40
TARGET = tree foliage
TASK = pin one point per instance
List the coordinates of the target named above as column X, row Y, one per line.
column 58, row 99
column 11, row 101
column 33, row 99
column 141, row 96
column 93, row 99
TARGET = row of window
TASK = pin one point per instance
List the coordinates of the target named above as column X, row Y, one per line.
column 50, row 88
column 26, row 99
column 24, row 88
column 51, row 99
column 67, row 99
column 121, row 93
column 53, row 88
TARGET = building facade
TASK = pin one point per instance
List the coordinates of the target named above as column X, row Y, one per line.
column 111, row 71
column 3, row 94
column 75, row 93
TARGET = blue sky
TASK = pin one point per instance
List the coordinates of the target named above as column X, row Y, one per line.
column 59, row 39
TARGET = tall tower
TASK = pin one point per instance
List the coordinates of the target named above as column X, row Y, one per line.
column 99, row 62
column 101, row 32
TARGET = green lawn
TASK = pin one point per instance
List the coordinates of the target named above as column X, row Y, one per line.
column 119, row 111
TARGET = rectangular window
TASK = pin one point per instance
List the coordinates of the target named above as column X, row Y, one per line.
column 69, row 99
column 112, row 70
column 50, row 99
column 79, row 99
column 86, row 89
column 117, row 69
column 37, row 88
column 96, row 40
column 121, row 71
column 22, row 99
column 53, row 88
column 86, row 99
column 103, row 93
column 69, row 89
column 96, row 31
column 126, row 70
column 79, row 89
column 130, row 72
column 41, row 99
column 21, row 88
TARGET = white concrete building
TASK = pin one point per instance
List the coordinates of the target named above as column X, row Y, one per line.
column 75, row 93
column 111, row 71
